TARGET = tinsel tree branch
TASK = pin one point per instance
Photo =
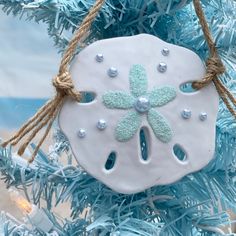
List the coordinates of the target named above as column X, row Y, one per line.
column 172, row 20
column 192, row 205
column 166, row 19
column 196, row 205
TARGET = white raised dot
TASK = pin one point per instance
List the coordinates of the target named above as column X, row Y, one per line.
column 186, row 114
column 142, row 104
column 162, row 67
column 99, row 57
column 203, row 116
column 101, row 124
column 112, row 72
column 81, row 133
column 165, row 52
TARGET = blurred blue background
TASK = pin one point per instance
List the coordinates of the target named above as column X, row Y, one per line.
column 28, row 62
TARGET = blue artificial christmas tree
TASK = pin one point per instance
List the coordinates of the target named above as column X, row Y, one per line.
column 197, row 205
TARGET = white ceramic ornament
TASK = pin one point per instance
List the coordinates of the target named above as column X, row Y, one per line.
column 140, row 125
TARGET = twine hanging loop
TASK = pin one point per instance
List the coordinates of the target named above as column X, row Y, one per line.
column 65, row 87
column 214, row 68
column 214, row 64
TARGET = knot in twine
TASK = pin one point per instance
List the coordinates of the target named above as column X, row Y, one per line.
column 214, row 64
column 65, row 87
column 214, row 68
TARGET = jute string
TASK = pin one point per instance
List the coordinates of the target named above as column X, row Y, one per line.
column 65, row 88
column 214, row 64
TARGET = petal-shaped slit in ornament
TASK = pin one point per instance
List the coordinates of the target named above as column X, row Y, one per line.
column 138, row 80
column 180, row 153
column 187, row 87
column 161, row 96
column 160, row 126
column 128, row 126
column 118, row 100
column 87, row 97
column 111, row 161
column 144, row 143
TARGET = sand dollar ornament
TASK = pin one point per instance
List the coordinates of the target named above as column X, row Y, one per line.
column 140, row 123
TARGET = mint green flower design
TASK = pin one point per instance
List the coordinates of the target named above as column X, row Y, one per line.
column 142, row 103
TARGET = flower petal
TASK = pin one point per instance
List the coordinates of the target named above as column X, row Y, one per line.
column 161, row 96
column 138, row 80
column 160, row 126
column 118, row 99
column 128, row 126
